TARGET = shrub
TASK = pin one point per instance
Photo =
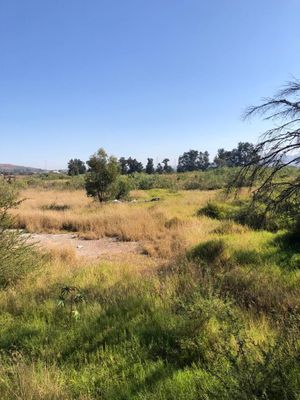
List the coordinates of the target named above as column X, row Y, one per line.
column 211, row 252
column 243, row 213
column 56, row 207
column 16, row 257
column 229, row 227
column 216, row 211
column 121, row 188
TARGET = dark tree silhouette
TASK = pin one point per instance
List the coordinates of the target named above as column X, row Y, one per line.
column 279, row 148
column 244, row 154
column 193, row 160
column 123, row 165
column 150, row 166
column 203, row 161
column 159, row 169
column 76, row 167
column 134, row 165
column 166, row 167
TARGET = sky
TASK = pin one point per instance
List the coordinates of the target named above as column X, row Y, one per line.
column 141, row 78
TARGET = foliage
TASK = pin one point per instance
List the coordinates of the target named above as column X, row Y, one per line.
column 72, row 296
column 121, row 187
column 279, row 148
column 101, row 175
column 220, row 323
column 76, row 167
column 193, row 160
column 150, row 166
column 15, row 254
column 243, row 212
column 175, row 335
column 130, row 165
column 244, row 154
column 167, row 169
column 159, row 169
column 213, row 251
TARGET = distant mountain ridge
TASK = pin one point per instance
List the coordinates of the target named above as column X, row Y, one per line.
column 19, row 169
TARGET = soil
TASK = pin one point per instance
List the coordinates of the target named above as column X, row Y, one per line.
column 85, row 248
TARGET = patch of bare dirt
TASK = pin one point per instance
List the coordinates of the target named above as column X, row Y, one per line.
column 104, row 247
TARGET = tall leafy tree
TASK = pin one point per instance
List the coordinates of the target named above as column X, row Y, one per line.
column 203, row 161
column 159, row 169
column 223, row 158
column 134, row 165
column 76, row 167
column 244, row 154
column 166, row 167
column 101, row 175
column 150, row 166
column 193, row 160
column 123, row 165
column 188, row 161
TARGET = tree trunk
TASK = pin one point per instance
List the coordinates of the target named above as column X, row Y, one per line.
column 100, row 198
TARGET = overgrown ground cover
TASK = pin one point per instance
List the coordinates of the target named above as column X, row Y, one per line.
column 214, row 316
column 163, row 228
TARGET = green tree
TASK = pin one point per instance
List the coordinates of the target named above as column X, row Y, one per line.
column 123, row 165
column 102, row 173
column 121, row 187
column 150, row 166
column 134, row 165
column 203, row 161
column 159, row 169
column 166, row 167
column 76, row 167
column 244, row 154
column 193, row 160
column 223, row 158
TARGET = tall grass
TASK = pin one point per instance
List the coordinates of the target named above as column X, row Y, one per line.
column 165, row 336
column 164, row 228
column 217, row 318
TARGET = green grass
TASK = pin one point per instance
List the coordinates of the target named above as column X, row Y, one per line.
column 188, row 332
column 220, row 322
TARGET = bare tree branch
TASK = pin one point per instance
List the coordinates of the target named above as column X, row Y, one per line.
column 279, row 148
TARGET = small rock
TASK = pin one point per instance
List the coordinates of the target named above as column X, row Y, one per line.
column 79, row 247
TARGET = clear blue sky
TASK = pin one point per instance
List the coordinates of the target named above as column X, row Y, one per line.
column 137, row 77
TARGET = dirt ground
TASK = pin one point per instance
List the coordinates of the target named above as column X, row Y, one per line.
column 85, row 248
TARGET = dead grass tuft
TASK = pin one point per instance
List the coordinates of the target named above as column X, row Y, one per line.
column 164, row 229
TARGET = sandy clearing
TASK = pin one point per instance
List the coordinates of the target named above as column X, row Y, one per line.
column 85, row 248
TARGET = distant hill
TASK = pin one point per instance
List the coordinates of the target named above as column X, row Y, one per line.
column 18, row 169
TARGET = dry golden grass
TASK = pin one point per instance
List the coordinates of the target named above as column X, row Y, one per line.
column 164, row 228
column 31, row 382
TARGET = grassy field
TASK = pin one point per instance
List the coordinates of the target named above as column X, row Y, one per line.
column 210, row 311
column 164, row 228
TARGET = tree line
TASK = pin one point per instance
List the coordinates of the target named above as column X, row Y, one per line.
column 278, row 149
column 192, row 160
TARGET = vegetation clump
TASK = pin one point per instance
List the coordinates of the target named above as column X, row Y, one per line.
column 16, row 257
column 101, row 176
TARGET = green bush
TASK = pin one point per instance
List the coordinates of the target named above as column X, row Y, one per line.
column 121, row 188
column 243, row 212
column 16, row 256
column 211, row 252
column 217, row 211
